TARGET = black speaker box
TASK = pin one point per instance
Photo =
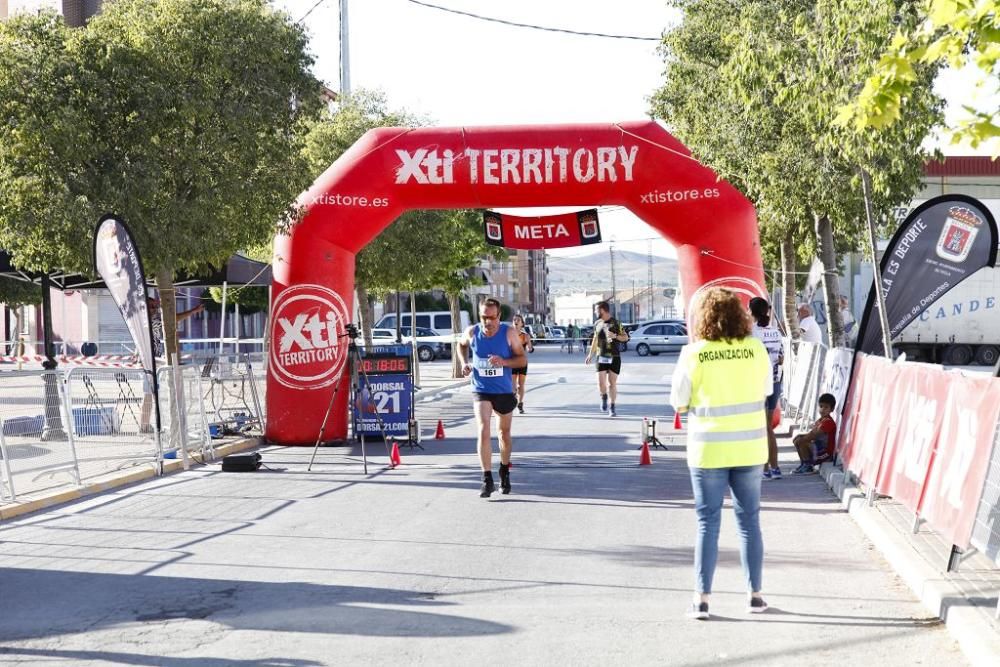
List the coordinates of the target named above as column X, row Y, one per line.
column 241, row 462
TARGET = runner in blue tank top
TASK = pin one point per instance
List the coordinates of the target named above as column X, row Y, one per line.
column 488, row 351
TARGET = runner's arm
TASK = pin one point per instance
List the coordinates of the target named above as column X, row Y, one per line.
column 463, row 349
column 518, row 358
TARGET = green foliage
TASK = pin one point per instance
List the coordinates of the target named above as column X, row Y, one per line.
column 959, row 33
column 16, row 293
column 753, row 89
column 185, row 117
column 251, row 299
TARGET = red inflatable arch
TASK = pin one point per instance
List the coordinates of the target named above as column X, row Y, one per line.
column 391, row 170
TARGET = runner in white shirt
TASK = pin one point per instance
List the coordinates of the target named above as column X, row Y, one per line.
column 773, row 342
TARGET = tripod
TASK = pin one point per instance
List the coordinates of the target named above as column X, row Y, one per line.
column 649, row 435
column 354, row 363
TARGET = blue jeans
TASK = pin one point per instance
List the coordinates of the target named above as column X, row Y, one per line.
column 709, row 486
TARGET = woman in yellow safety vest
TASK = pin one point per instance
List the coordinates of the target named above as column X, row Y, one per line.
column 721, row 381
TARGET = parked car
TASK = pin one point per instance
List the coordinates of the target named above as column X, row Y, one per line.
column 558, row 332
column 632, row 327
column 427, row 350
column 656, row 338
column 438, row 320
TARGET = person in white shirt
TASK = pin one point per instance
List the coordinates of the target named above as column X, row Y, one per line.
column 773, row 341
column 808, row 325
column 848, row 317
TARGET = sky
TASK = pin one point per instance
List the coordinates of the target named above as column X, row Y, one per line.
column 462, row 71
column 457, row 70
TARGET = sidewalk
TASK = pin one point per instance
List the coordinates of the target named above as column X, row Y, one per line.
column 965, row 600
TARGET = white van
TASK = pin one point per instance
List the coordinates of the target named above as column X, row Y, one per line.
column 439, row 320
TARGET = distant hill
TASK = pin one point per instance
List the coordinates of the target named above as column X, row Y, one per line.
column 593, row 272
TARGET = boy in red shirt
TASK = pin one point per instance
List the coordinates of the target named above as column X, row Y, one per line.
column 819, row 444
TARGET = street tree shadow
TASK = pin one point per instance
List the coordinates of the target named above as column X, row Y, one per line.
column 51, row 603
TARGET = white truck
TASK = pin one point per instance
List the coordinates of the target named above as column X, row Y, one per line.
column 961, row 328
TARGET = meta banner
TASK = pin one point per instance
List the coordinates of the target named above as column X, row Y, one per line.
column 117, row 261
column 536, row 233
column 941, row 243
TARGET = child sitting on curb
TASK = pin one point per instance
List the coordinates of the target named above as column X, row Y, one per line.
column 819, row 444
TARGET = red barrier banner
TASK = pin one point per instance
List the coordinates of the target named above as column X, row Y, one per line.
column 870, row 426
column 539, row 232
column 852, row 410
column 909, row 453
column 951, row 494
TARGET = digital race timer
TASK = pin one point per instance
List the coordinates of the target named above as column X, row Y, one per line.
column 377, row 365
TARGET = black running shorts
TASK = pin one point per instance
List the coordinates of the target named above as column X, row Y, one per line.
column 615, row 366
column 503, row 404
column 519, row 371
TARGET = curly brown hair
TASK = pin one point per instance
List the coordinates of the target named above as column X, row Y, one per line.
column 720, row 315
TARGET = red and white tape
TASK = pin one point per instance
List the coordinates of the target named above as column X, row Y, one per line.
column 101, row 360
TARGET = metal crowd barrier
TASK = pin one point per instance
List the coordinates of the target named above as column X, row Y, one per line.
column 36, row 447
column 68, row 426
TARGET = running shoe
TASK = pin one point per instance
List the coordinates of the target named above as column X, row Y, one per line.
column 698, row 612
column 612, row 412
column 756, row 606
column 767, row 473
column 504, row 479
column 604, row 402
column 803, row 469
column 775, row 473
column 488, row 487
column 520, row 407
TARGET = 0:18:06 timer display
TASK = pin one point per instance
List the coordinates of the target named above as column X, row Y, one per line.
column 379, row 365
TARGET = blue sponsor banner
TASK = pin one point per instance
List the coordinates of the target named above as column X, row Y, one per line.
column 385, row 381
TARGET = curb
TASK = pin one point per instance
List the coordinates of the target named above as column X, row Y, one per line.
column 54, row 498
column 976, row 636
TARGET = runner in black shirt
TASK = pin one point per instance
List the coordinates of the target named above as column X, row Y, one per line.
column 608, row 333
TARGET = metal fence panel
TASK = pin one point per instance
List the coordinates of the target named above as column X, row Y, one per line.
column 232, row 393
column 986, row 529
column 35, row 439
column 113, row 425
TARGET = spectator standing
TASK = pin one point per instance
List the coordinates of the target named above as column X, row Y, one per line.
column 721, row 380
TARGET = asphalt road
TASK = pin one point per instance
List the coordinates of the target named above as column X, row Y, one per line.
column 587, row 562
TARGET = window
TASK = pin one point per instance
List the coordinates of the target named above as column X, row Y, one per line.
column 653, row 330
column 424, row 321
column 442, row 322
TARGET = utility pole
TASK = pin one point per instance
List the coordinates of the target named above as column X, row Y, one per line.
column 649, row 277
column 614, row 291
column 345, row 52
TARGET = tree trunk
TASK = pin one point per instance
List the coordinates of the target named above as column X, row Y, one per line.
column 413, row 338
column 365, row 313
column 883, row 317
column 788, row 285
column 168, row 308
column 831, row 285
column 456, row 328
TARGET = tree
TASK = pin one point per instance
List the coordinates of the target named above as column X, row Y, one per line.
column 328, row 138
column 770, row 76
column 959, row 33
column 182, row 116
column 422, row 249
column 16, row 294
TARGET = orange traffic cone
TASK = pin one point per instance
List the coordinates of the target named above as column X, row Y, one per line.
column 677, row 421
column 644, row 458
column 439, row 435
column 394, row 459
